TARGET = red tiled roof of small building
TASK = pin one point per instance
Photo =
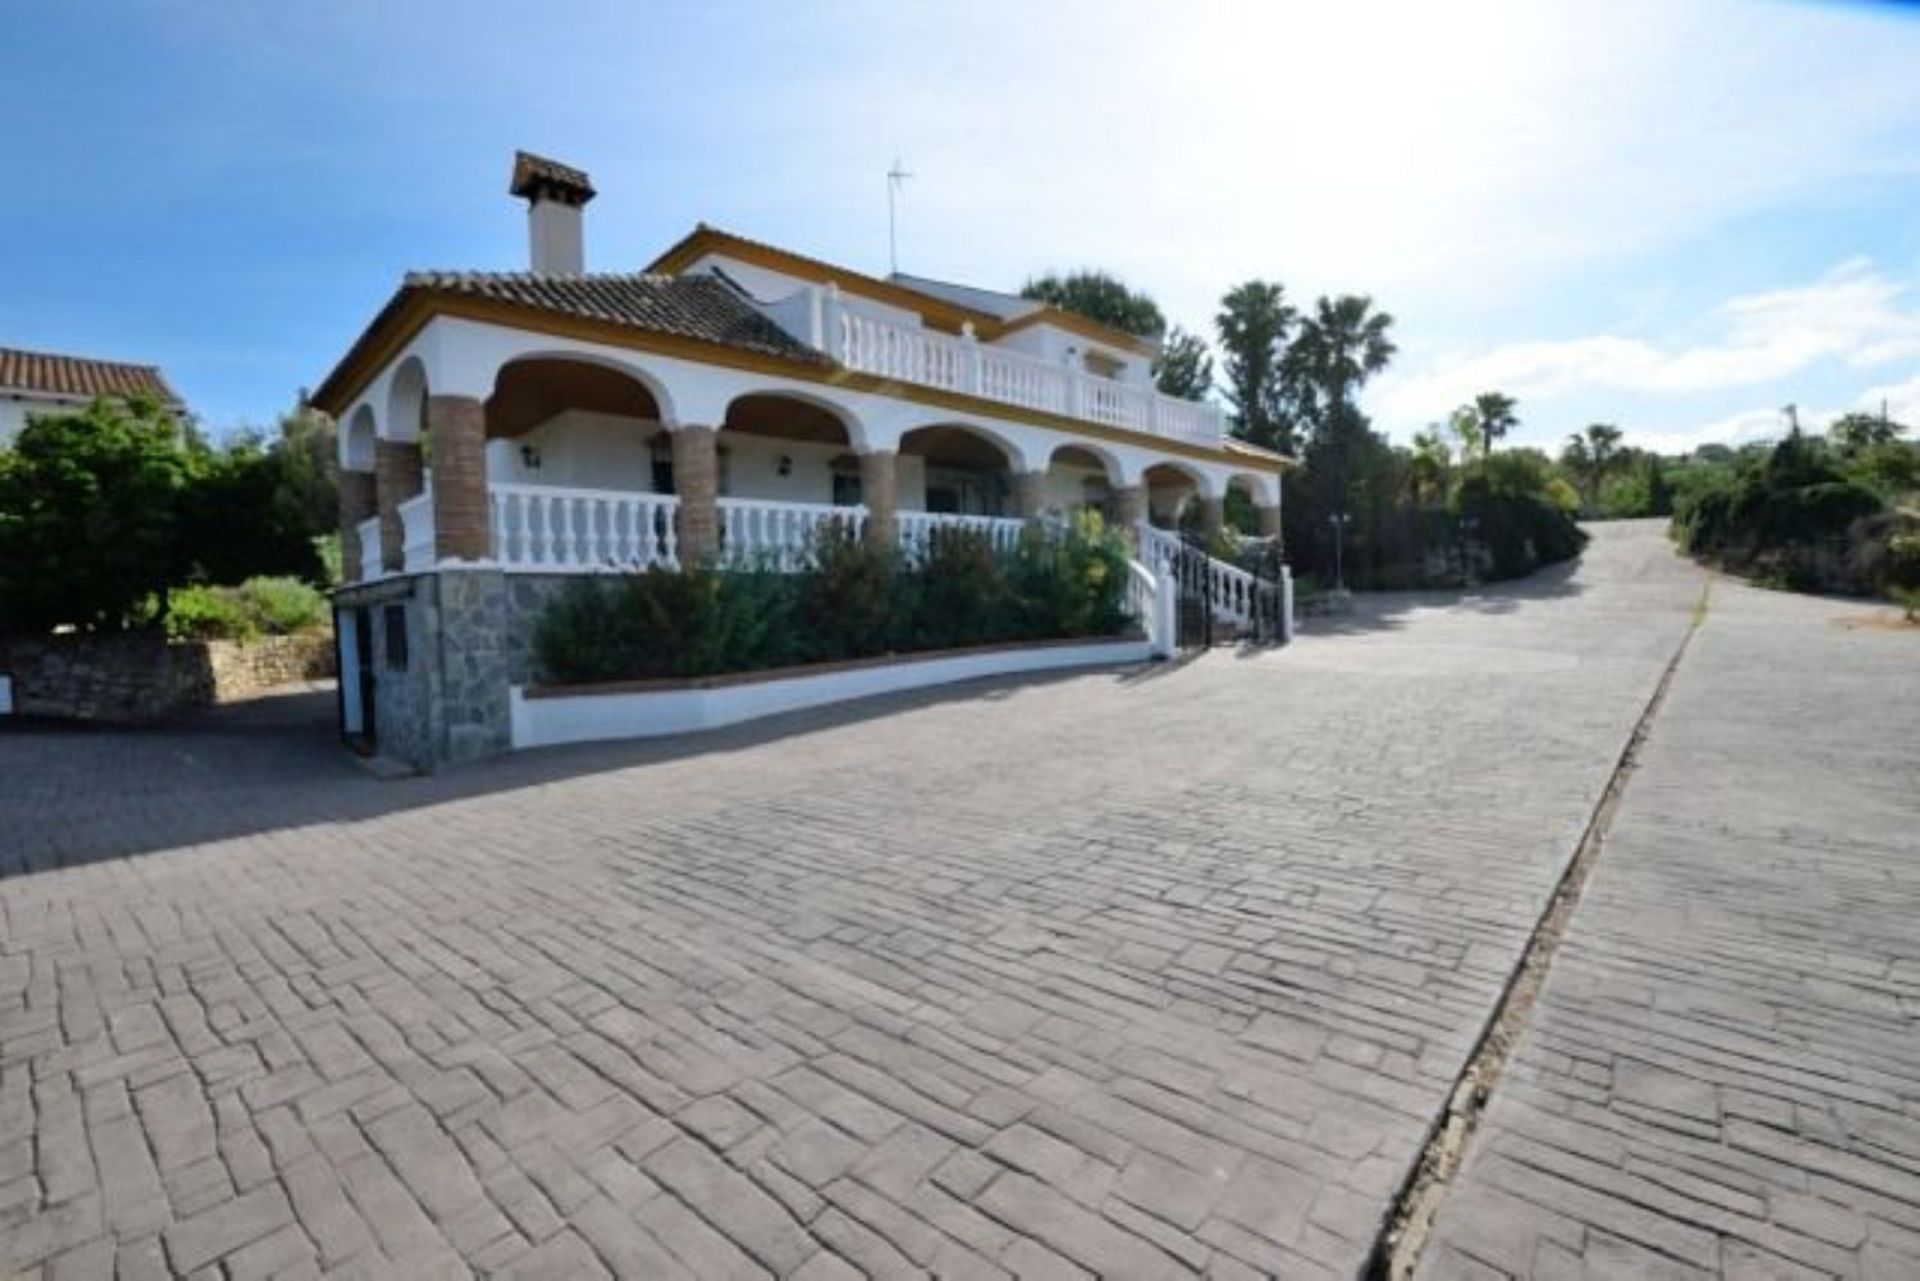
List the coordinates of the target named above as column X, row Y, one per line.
column 49, row 374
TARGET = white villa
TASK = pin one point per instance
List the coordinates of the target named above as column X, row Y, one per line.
column 501, row 430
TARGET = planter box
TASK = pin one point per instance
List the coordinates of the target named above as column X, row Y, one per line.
column 542, row 716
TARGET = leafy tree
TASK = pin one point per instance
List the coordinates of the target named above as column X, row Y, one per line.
column 1254, row 324
column 89, row 507
column 245, row 517
column 1856, row 433
column 1185, row 368
column 1100, row 297
column 1489, row 417
column 1590, row 457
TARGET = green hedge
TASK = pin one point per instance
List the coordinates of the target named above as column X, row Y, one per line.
column 852, row 600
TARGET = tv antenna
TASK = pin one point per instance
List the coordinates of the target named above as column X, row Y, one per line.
column 896, row 176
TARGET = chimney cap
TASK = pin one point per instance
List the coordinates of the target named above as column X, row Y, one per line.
column 537, row 178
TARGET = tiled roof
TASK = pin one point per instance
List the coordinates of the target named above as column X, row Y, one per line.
column 51, row 375
column 536, row 175
column 698, row 307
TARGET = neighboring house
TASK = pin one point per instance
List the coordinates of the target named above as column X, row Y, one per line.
column 34, row 383
column 725, row 401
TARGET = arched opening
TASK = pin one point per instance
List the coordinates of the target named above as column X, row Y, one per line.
column 1245, row 496
column 356, row 440
column 953, row 469
column 783, row 448
column 1173, row 495
column 1078, row 479
column 407, row 403
column 575, row 424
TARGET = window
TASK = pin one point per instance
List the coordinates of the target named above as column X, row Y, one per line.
column 395, row 618
column 846, row 483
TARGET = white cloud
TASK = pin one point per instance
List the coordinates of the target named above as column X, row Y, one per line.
column 1854, row 315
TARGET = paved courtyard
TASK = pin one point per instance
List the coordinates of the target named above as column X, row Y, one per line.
column 1152, row 974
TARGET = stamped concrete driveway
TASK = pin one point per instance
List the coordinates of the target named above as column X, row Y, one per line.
column 1147, row 974
column 1722, row 1075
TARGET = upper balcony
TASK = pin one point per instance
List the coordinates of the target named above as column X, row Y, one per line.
column 871, row 343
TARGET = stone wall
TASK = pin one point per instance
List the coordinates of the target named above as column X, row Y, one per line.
column 446, row 700
column 141, row 676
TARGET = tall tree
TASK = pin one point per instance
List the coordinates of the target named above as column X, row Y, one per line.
column 1253, row 326
column 1430, row 466
column 1099, row 296
column 1490, row 416
column 1339, row 347
column 1185, row 368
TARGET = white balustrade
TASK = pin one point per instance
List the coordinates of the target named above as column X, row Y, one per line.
column 416, row 533
column 369, row 548
column 1232, row 590
column 544, row 527
column 874, row 346
column 780, row 535
column 919, row 529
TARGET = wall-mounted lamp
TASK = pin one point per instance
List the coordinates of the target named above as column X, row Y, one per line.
column 785, row 466
column 531, row 457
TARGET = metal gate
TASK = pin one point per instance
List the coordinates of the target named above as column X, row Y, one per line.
column 1193, row 612
column 1269, row 596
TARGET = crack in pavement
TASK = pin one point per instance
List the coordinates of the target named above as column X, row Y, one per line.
column 1396, row 1252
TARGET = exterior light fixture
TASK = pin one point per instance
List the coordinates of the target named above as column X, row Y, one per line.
column 531, row 457
column 785, row 467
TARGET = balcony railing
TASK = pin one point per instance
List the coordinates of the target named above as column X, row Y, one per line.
column 556, row 530
column 964, row 364
column 580, row 530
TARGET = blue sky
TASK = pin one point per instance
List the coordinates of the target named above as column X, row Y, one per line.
column 1674, row 216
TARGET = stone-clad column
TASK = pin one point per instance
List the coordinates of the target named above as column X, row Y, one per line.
column 696, row 479
column 880, row 491
column 459, row 432
column 1130, row 509
column 1269, row 520
column 356, row 504
column 1213, row 515
column 1029, row 494
column 396, row 478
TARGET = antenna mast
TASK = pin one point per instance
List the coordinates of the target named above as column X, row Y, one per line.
column 895, row 177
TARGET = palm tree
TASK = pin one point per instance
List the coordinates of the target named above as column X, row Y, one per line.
column 1491, row 415
column 1432, row 461
column 1338, row 348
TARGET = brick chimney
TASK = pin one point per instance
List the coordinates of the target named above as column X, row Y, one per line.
column 555, row 195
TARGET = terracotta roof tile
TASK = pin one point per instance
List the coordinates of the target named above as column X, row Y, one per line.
column 698, row 307
column 54, row 375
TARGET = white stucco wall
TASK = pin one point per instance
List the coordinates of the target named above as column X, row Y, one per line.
column 16, row 409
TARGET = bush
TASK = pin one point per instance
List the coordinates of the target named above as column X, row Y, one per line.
column 283, row 605
column 257, row 607
column 208, row 613
column 852, row 600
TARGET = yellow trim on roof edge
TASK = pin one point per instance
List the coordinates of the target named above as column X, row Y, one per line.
column 407, row 315
column 941, row 313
